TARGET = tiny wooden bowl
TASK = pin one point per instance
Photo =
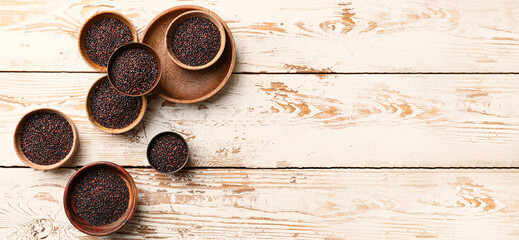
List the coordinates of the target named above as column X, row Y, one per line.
column 140, row 46
column 84, row 226
column 86, row 26
column 164, row 133
column 17, row 140
column 173, row 25
column 96, row 124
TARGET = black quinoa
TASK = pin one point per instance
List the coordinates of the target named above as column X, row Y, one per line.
column 100, row 197
column 46, row 138
column 112, row 109
column 167, row 152
column 103, row 37
column 134, row 71
column 196, row 41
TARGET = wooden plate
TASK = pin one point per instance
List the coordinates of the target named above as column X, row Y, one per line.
column 17, row 139
column 184, row 86
column 81, row 224
column 96, row 124
column 93, row 19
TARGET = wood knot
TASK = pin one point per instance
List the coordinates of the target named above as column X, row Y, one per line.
column 41, row 228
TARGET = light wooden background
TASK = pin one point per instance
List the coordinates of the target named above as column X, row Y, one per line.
column 343, row 120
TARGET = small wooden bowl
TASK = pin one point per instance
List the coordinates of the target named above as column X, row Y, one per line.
column 140, row 46
column 173, row 25
column 81, row 224
column 164, row 133
column 96, row 124
column 86, row 26
column 17, row 139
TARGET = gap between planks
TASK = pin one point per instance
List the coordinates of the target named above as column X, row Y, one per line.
column 303, row 168
column 306, row 73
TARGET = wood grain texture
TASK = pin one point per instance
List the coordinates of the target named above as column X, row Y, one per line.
column 292, row 36
column 301, row 204
column 299, row 120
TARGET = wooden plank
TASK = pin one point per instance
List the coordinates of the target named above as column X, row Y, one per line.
column 278, row 204
column 292, row 35
column 299, row 120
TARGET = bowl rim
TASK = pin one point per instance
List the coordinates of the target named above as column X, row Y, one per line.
column 97, row 125
column 159, row 135
column 184, row 16
column 17, row 139
column 139, row 45
column 67, row 205
column 89, row 22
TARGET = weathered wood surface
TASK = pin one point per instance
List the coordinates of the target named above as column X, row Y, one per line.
column 299, row 120
column 292, row 35
column 287, row 120
column 276, row 204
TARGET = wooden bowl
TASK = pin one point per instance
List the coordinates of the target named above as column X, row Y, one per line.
column 86, row 26
column 17, row 139
column 180, row 85
column 173, row 25
column 96, row 124
column 164, row 133
column 140, row 46
column 81, row 224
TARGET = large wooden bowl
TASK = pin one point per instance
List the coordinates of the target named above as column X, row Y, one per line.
column 96, row 124
column 180, row 85
column 86, row 26
column 17, row 139
column 181, row 18
column 81, row 224
column 144, row 47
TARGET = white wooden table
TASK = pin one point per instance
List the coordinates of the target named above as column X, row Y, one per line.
column 343, row 120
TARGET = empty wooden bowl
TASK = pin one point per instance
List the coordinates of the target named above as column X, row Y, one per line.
column 153, row 140
column 81, row 224
column 132, row 46
column 96, row 124
column 86, row 26
column 17, row 140
column 181, row 18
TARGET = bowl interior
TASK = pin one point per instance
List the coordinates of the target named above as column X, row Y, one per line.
column 162, row 134
column 17, row 140
column 181, row 18
column 89, row 23
column 96, row 124
column 139, row 46
column 81, row 224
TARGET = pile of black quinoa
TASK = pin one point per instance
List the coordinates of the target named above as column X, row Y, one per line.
column 195, row 41
column 167, row 152
column 103, row 37
column 112, row 109
column 134, row 71
column 46, row 138
column 100, row 197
